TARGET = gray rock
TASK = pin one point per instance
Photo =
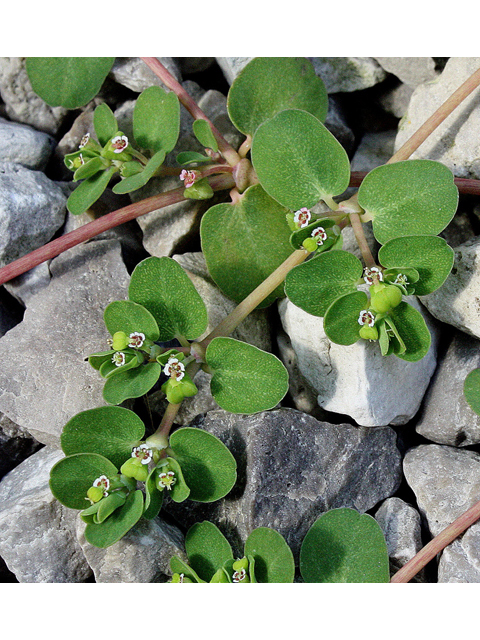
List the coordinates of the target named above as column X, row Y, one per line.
column 22, row 103
column 445, row 483
column 411, row 71
column 336, row 123
column 357, row 380
column 348, row 74
column 446, row 417
column 396, row 100
column 232, row 66
column 137, row 76
column 374, row 150
column 37, row 534
column 23, row 287
column 194, row 65
column 32, row 209
column 142, row 555
column 10, row 313
column 454, row 143
column 49, row 381
column 15, row 445
column 24, row 145
column 291, row 469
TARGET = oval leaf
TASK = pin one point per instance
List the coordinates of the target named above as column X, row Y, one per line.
column 471, row 390
column 116, row 525
column 130, row 317
column 105, row 123
column 269, row 85
column 140, row 179
column 153, row 497
column 413, row 330
column 207, row 465
column 245, row 379
column 298, row 161
column 156, row 119
column 341, row 319
column 207, row 549
column 132, row 383
column 204, row 134
column 273, row 557
column 344, row 546
column 244, row 243
column 410, row 198
column 89, row 191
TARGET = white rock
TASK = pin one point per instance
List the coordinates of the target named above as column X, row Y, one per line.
column 411, row 71
column 137, row 76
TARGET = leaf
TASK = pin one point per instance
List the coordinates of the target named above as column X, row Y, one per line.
column 244, row 243
column 315, row 284
column 204, row 134
column 344, row 546
column 298, row 161
column 471, row 390
column 67, row 82
column 118, row 524
column 133, row 383
column 341, row 318
column 72, row 477
column 180, row 490
column 140, row 179
column 179, row 566
column 269, row 85
column 431, row 256
column 410, row 198
column 130, row 317
column 111, row 432
column 108, row 505
column 90, row 168
column 413, row 331
column 163, row 287
column 156, row 119
column 89, row 191
column 207, row 465
column 105, row 123
column 273, row 557
column 207, row 549
column 153, row 497
column 188, row 157
column 245, row 379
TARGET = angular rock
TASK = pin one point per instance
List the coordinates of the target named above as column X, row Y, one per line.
column 32, row 209
column 445, row 483
column 374, row 150
column 396, row 100
column 454, row 143
column 15, row 445
column 11, row 313
column 23, row 287
column 336, row 123
column 194, row 65
column 411, row 71
column 357, row 380
column 37, row 534
column 446, row 417
column 48, row 380
column 142, row 555
column 137, row 76
column 291, row 469
column 24, row 145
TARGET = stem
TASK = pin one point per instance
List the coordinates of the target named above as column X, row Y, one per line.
column 357, row 227
column 94, row 228
column 191, row 106
column 465, row 185
column 438, row 543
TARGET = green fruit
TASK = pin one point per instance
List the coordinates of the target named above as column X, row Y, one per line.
column 384, row 297
column 369, row 333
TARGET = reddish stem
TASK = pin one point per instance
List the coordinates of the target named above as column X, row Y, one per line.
column 465, row 185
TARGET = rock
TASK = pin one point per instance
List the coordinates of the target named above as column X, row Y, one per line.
column 454, row 143
column 446, row 417
column 374, row 150
column 10, row 312
column 357, row 380
column 457, row 301
column 137, row 76
column 15, row 445
column 291, row 469
column 396, row 100
column 445, row 483
column 232, row 66
column 24, row 145
column 142, row 555
column 32, row 209
column 194, row 65
column 37, row 534
column 23, row 287
column 22, row 103
column 48, row 380
column 411, row 71
column 336, row 123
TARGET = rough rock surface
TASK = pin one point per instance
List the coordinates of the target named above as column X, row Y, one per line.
column 411, row 71
column 137, row 76
column 24, row 145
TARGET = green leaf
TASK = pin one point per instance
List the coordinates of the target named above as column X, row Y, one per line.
column 431, row 256
column 153, row 497
column 207, row 549
column 118, row 524
column 410, row 198
column 72, row 477
column 133, row 383
column 90, row 168
column 109, row 431
column 188, row 157
column 108, row 505
column 128, row 316
column 180, row 490
column 298, row 161
column 471, row 390
column 89, row 191
column 207, row 465
column 273, row 557
column 105, row 123
column 315, row 284
column 344, row 546
column 269, row 85
column 413, row 331
column 163, row 287
column 245, row 379
column 341, row 318
column 140, row 179
column 156, row 119
column 243, row 243
column 204, row 134
column 67, row 82
column 179, row 566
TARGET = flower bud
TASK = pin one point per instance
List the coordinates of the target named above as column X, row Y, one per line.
column 369, row 333
column 95, row 494
column 119, row 341
column 384, row 297
column 133, row 468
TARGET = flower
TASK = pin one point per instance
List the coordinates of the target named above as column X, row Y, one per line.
column 84, row 141
column 118, row 359
column 319, row 235
column 239, row 576
column 174, row 368
column 166, row 480
column 188, row 177
column 371, row 273
column 142, row 453
column 119, row 143
column 401, row 279
column 302, row 217
column 136, row 339
column 104, row 483
column 366, row 317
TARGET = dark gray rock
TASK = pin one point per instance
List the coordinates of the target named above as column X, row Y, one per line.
column 24, row 145
column 15, row 445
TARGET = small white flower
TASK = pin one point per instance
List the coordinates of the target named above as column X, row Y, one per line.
column 136, row 339
column 182, row 577
column 118, row 359
column 119, row 143
column 302, row 217
column 369, row 273
column 167, row 480
column 238, row 576
column 320, row 235
column 401, row 279
column 143, row 453
column 84, row 141
column 366, row 317
column 174, row 368
column 104, row 483
column 188, row 177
